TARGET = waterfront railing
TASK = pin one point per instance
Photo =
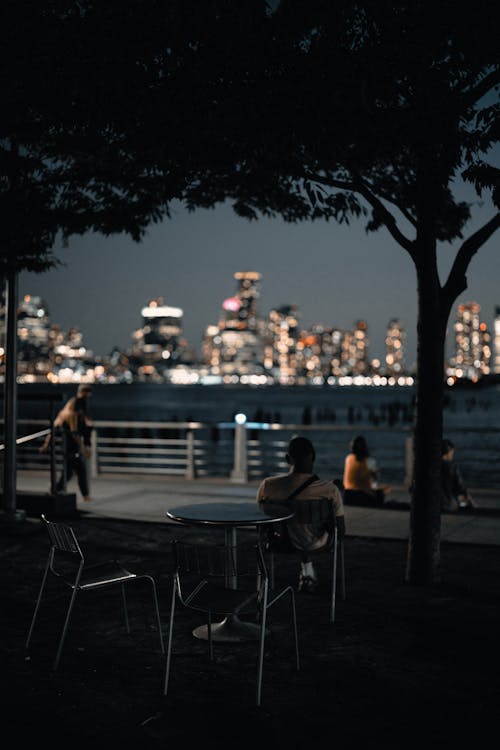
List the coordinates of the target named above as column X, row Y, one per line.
column 253, row 450
column 241, row 452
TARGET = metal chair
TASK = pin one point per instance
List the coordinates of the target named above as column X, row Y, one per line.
column 204, row 580
column 67, row 563
column 321, row 513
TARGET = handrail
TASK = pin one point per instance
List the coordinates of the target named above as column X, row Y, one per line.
column 246, row 451
column 28, row 438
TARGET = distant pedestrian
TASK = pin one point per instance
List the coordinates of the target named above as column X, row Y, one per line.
column 454, row 493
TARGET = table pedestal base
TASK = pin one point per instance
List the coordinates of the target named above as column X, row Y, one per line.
column 230, row 629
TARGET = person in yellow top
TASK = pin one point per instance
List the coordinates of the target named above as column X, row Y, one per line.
column 361, row 485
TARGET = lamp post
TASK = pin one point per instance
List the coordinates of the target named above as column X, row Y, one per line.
column 239, row 472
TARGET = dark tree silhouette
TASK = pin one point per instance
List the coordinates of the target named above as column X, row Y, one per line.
column 318, row 110
column 67, row 72
column 373, row 109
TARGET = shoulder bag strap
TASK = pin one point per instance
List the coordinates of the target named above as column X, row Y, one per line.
column 301, row 487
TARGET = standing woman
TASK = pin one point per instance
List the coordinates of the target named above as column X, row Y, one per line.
column 360, row 479
column 76, row 427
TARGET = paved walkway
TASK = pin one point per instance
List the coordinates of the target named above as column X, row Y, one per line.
column 147, row 498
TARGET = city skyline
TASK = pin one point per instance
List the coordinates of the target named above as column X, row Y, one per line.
column 334, row 274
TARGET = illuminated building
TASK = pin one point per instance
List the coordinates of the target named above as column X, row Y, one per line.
column 496, row 361
column 354, row 350
column 394, row 348
column 280, row 356
column 45, row 352
column 158, row 345
column 314, row 354
column 473, row 344
column 33, row 343
column 33, row 324
column 330, row 344
column 70, row 359
column 236, row 345
column 247, row 295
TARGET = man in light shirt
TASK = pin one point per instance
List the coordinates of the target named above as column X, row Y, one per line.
column 305, row 537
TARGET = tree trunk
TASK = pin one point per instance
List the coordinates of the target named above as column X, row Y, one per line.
column 423, row 563
column 10, row 400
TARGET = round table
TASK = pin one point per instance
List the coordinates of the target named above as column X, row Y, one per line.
column 228, row 515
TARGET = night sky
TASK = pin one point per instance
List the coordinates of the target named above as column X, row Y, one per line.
column 335, row 274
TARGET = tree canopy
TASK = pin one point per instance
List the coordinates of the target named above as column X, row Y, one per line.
column 321, row 110
column 346, row 110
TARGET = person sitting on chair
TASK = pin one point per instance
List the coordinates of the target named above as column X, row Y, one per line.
column 276, row 489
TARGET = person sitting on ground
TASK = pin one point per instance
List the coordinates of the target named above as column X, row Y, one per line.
column 361, row 485
column 276, row 489
column 455, row 495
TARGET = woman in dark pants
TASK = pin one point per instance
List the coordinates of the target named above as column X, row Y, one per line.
column 76, row 434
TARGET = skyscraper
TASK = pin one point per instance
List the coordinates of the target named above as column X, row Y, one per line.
column 394, row 348
column 496, row 343
column 354, row 357
column 281, row 348
column 473, row 343
column 158, row 342
column 237, row 346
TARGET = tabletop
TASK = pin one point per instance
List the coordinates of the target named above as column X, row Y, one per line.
column 222, row 513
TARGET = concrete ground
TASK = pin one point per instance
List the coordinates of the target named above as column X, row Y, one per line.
column 402, row 666
column 148, row 497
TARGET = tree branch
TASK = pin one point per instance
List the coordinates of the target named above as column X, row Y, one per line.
column 387, row 218
column 410, row 219
column 341, row 184
column 457, row 279
column 482, row 88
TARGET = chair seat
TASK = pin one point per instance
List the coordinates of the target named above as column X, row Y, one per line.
column 222, row 601
column 106, row 573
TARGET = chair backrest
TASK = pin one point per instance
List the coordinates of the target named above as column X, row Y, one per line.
column 319, row 511
column 213, row 561
column 62, row 538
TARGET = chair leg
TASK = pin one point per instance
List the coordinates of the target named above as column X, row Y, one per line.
column 65, row 628
column 295, row 630
column 169, row 639
column 260, row 666
column 37, row 605
column 210, row 639
column 125, row 610
column 157, row 610
column 342, row 570
column 333, row 592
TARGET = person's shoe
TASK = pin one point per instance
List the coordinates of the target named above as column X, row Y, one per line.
column 307, row 584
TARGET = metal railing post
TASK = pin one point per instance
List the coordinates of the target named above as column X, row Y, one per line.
column 94, row 458
column 240, row 465
column 408, row 461
column 52, row 447
column 190, row 466
column 64, row 444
